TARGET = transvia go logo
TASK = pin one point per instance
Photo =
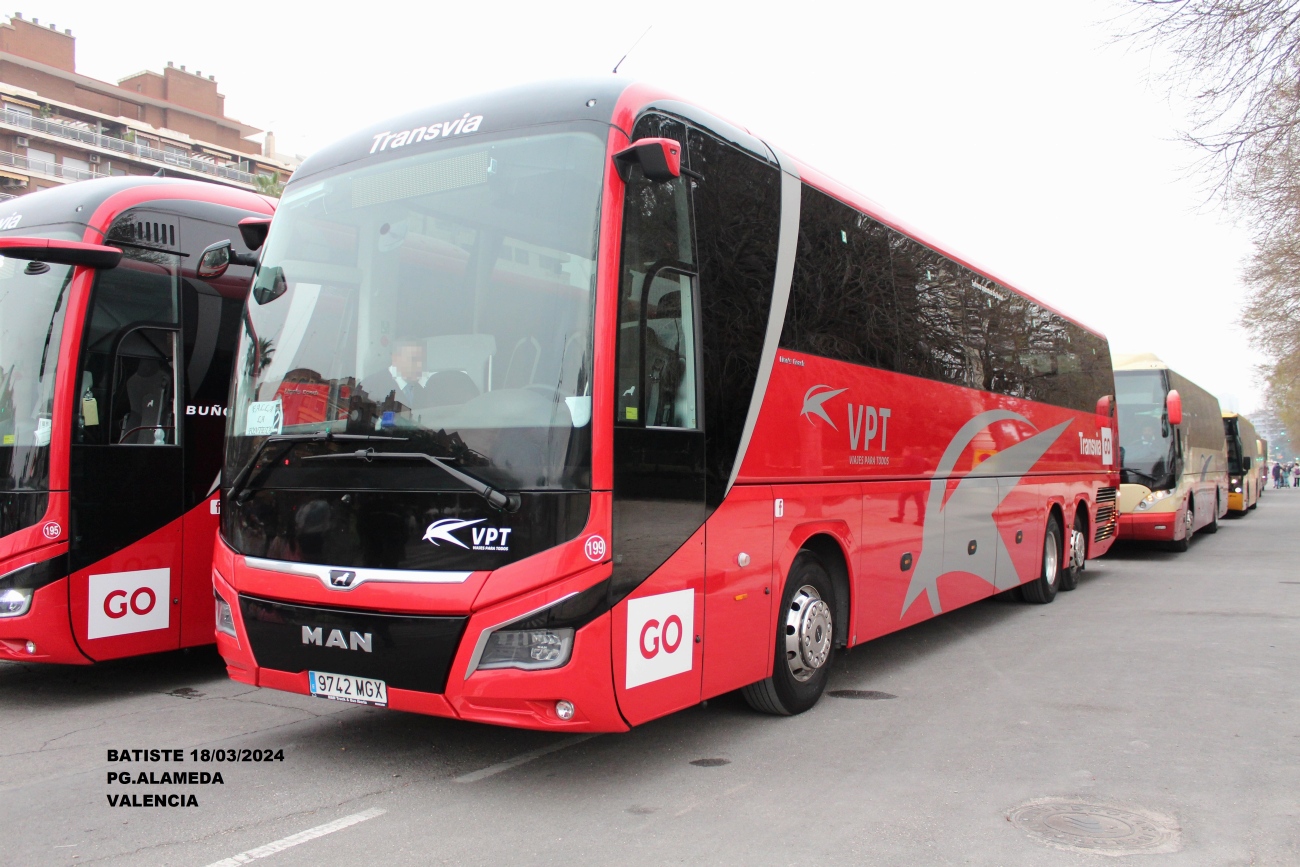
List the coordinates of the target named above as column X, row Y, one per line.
column 121, row 603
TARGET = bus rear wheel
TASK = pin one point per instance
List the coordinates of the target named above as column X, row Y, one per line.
column 1078, row 552
column 805, row 642
column 1043, row 589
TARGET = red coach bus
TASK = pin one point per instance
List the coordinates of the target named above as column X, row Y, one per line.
column 115, row 363
column 623, row 409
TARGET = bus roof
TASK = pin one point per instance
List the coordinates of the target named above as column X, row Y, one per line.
column 79, row 202
column 609, row 100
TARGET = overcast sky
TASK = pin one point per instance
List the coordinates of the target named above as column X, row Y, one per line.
column 1017, row 133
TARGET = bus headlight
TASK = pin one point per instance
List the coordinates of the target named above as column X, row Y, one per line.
column 15, row 601
column 1152, row 498
column 529, row 649
column 225, row 619
column 543, row 638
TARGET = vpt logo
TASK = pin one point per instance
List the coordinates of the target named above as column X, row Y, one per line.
column 441, row 531
column 814, row 403
column 482, row 538
column 660, row 636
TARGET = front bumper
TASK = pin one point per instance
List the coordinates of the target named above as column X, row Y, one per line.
column 1149, row 526
column 47, row 625
column 424, row 658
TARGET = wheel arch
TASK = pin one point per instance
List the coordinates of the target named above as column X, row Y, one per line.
column 830, row 551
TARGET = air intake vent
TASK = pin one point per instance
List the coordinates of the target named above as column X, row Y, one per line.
column 1107, row 518
column 139, row 229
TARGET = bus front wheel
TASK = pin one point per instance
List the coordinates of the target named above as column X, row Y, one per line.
column 1043, row 589
column 805, row 642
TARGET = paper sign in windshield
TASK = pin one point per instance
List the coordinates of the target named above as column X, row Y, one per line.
column 265, row 418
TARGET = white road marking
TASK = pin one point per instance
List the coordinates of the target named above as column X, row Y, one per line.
column 522, row 758
column 294, row 839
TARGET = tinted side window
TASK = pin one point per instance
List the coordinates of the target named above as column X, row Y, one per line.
column 656, row 339
column 869, row 295
column 737, row 225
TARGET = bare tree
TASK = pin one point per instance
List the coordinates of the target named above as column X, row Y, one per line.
column 1239, row 63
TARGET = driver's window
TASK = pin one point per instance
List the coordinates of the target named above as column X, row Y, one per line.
column 657, row 365
column 127, row 379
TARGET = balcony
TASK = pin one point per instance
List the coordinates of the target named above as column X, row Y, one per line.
column 49, row 169
column 71, row 132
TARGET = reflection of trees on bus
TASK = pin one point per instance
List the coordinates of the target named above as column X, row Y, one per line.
column 867, row 294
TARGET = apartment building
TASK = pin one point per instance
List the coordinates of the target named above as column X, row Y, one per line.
column 58, row 126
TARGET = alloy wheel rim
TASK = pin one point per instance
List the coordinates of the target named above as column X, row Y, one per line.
column 1078, row 549
column 808, row 633
column 1050, row 559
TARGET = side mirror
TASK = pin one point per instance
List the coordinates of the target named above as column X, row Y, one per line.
column 60, row 252
column 253, row 230
column 1174, row 406
column 1104, row 406
column 214, row 260
column 1246, row 463
column 660, row 159
column 270, row 285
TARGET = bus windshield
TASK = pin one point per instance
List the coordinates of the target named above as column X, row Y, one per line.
column 33, row 301
column 444, row 299
column 1145, row 437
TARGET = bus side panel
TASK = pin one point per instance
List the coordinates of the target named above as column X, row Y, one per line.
column 657, row 661
column 1022, row 520
column 128, row 603
column 893, row 516
column 198, row 533
column 738, row 647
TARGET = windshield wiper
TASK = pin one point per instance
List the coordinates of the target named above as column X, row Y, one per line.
column 244, row 476
column 497, row 499
column 1147, row 476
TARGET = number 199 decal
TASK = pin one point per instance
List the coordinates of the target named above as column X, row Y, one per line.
column 660, row 636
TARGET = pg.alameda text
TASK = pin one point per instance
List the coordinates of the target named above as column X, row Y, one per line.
column 167, row 778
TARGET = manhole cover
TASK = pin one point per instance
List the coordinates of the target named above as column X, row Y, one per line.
column 868, row 694
column 1096, row 828
column 710, row 763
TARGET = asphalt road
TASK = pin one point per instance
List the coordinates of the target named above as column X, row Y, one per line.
column 1167, row 687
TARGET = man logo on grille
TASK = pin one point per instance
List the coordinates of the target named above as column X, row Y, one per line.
column 342, row 578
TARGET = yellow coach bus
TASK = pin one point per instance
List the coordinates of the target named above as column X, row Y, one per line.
column 1173, row 454
column 1245, row 463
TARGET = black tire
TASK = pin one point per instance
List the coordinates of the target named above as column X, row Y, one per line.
column 807, row 621
column 1075, row 558
column 1042, row 589
column 1213, row 527
column 1189, row 521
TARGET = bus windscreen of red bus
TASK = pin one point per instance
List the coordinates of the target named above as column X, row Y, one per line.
column 441, row 301
column 32, row 307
